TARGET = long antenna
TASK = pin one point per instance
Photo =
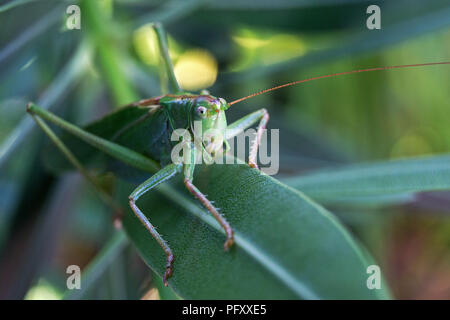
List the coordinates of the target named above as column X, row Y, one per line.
column 334, row 75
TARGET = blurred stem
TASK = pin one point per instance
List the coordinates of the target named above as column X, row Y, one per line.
column 99, row 265
column 116, row 279
column 99, row 29
column 164, row 50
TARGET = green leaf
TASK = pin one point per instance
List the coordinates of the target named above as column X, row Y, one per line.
column 377, row 183
column 287, row 246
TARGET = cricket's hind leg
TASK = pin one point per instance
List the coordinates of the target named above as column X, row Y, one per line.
column 116, row 151
column 161, row 176
column 117, row 209
column 246, row 122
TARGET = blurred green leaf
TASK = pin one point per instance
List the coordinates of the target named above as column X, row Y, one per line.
column 98, row 266
column 352, row 44
column 377, row 183
column 287, row 246
column 170, row 11
column 43, row 24
column 13, row 4
column 64, row 81
column 280, row 4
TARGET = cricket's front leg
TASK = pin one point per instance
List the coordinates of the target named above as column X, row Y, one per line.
column 246, row 122
column 161, row 176
column 188, row 182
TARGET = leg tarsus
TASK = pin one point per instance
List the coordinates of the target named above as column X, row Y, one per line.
column 169, row 269
column 229, row 242
column 252, row 165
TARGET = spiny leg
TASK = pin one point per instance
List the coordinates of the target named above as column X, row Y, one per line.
column 119, row 152
column 249, row 120
column 126, row 155
column 161, row 176
column 188, row 182
column 208, row 205
column 78, row 165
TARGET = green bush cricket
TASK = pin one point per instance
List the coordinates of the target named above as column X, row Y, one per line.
column 157, row 118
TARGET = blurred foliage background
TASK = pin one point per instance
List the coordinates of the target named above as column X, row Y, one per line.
column 233, row 48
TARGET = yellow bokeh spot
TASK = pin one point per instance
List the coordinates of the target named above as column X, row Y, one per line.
column 248, row 39
column 283, row 47
column 107, row 7
column 410, row 145
column 196, row 69
column 260, row 47
column 146, row 45
column 43, row 291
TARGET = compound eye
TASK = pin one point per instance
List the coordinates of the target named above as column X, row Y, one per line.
column 201, row 111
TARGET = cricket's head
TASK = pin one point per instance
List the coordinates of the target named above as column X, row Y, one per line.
column 209, row 122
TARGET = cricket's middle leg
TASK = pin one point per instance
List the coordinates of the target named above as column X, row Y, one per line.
column 249, row 120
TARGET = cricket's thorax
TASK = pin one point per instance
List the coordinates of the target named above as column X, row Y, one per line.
column 158, row 117
column 178, row 110
column 203, row 115
column 197, row 113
